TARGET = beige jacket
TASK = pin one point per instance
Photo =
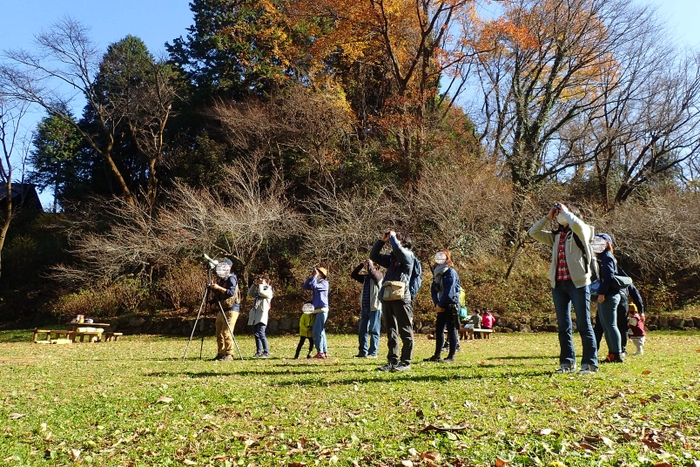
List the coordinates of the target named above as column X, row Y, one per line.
column 574, row 256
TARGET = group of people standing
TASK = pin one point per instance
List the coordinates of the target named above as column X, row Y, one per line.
column 572, row 268
column 578, row 256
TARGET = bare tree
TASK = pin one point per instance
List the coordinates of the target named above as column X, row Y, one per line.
column 67, row 59
column 543, row 74
column 11, row 114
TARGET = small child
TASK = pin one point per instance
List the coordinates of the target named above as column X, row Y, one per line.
column 635, row 325
column 306, row 325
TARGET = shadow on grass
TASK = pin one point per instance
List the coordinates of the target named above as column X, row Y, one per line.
column 524, row 357
column 326, row 375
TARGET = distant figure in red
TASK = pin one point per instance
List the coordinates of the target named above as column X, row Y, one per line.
column 635, row 326
column 487, row 321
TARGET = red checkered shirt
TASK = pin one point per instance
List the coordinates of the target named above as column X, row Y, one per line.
column 562, row 268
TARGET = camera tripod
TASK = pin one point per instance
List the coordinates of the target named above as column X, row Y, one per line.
column 205, row 299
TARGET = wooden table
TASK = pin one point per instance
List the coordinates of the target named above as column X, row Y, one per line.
column 91, row 334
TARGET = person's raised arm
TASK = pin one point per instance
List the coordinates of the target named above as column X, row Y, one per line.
column 376, row 254
column 355, row 274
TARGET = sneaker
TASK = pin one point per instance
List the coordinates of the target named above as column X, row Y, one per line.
column 308, row 355
column 402, row 366
column 448, row 360
column 638, row 352
column 217, row 358
column 432, row 359
column 388, row 367
column 372, row 356
column 565, row 368
column 360, row 356
column 320, row 355
column 257, row 355
column 226, row 358
column 265, row 355
column 587, row 369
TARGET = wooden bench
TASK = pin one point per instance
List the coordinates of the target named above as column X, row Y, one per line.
column 93, row 336
column 57, row 332
column 112, row 336
column 485, row 333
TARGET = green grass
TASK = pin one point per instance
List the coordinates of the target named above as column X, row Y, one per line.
column 135, row 403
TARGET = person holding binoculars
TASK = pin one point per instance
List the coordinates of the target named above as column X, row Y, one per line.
column 570, row 278
column 262, row 293
column 317, row 283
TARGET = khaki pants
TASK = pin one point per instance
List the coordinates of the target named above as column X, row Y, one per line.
column 224, row 340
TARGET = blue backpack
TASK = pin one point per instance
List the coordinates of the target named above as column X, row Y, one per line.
column 416, row 279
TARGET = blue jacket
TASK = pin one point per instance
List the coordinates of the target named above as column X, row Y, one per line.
column 398, row 264
column 450, row 289
column 319, row 291
column 606, row 270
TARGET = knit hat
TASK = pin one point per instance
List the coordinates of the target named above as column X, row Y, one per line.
column 632, row 308
column 605, row 237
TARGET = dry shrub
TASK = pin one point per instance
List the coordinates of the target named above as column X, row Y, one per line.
column 659, row 236
column 123, row 296
column 459, row 205
column 183, row 285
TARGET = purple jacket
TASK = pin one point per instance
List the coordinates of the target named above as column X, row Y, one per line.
column 319, row 291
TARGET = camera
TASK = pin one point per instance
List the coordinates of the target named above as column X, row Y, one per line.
column 557, row 206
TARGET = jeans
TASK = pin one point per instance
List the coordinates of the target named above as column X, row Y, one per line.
column 370, row 326
column 564, row 294
column 621, row 323
column 260, row 339
column 319, row 332
column 444, row 320
column 607, row 314
column 398, row 315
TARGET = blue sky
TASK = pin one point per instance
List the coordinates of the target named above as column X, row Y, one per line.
column 159, row 21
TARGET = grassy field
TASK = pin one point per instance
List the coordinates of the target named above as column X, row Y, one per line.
column 135, row 403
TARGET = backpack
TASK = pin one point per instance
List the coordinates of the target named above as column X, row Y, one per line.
column 416, row 278
column 590, row 263
column 463, row 310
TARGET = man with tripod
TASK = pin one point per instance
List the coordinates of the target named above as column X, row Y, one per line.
column 225, row 291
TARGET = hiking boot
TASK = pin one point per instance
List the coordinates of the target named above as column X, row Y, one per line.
column 308, row 355
column 587, row 369
column 217, row 358
column 226, row 358
column 402, row 366
column 613, row 358
column 388, row 367
column 566, row 368
column 448, row 360
column 434, row 358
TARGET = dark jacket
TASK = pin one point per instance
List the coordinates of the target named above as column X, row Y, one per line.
column 449, row 283
column 398, row 264
column 607, row 269
column 371, row 289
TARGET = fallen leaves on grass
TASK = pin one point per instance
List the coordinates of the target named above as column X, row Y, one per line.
column 164, row 400
column 501, row 462
column 17, row 416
